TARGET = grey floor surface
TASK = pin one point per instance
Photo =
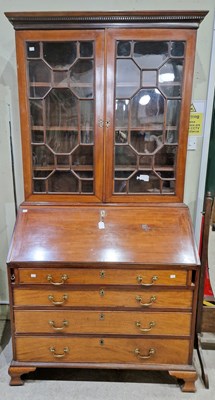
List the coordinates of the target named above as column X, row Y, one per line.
column 61, row 384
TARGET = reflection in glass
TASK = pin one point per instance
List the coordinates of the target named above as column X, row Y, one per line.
column 61, row 78
column 36, row 112
column 60, row 54
column 86, row 49
column 172, row 136
column 149, row 78
column 177, row 49
column 38, row 71
column 63, row 160
column 62, row 141
column 166, row 156
column 62, row 181
column 39, row 92
column 121, row 113
column 146, row 142
column 171, row 91
column 173, row 112
column 81, row 76
column 124, row 155
column 87, row 136
column 147, row 106
column 151, row 54
column 144, row 182
column 123, row 48
column 120, row 186
column 61, row 108
column 127, row 78
column 83, row 155
column 37, row 136
column 42, row 156
column 121, row 136
column 87, row 114
column 171, row 71
column 146, row 161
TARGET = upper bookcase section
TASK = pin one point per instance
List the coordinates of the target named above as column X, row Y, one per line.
column 105, row 112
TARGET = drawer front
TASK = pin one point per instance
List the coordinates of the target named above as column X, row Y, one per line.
column 93, row 276
column 102, row 350
column 103, row 322
column 104, row 297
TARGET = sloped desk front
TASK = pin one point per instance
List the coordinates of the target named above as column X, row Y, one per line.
column 103, row 287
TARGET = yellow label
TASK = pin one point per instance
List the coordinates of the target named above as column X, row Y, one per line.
column 195, row 126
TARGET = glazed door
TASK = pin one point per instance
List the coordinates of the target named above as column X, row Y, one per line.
column 148, row 97
column 61, row 106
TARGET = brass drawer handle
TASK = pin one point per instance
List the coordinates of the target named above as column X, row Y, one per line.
column 151, row 301
column 64, row 278
column 58, row 328
column 153, row 280
column 53, row 351
column 151, row 325
column 151, row 352
column 57, row 303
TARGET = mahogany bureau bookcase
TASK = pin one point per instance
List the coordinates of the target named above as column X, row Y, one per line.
column 103, row 268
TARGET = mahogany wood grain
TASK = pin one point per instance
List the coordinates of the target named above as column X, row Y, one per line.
column 189, row 378
column 144, row 235
column 102, row 322
column 94, row 276
column 101, row 349
column 104, row 297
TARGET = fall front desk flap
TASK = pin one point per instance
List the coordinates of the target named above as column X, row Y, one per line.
column 147, row 235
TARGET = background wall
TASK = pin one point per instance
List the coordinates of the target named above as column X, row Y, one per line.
column 9, row 113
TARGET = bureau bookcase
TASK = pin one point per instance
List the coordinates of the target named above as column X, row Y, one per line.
column 103, row 269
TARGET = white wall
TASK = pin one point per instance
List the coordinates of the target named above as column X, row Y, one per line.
column 9, row 97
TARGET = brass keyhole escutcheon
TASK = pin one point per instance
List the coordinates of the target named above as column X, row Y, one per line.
column 101, row 342
column 102, row 274
column 101, row 292
column 101, row 317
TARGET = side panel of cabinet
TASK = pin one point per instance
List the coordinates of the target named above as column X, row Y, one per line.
column 149, row 85
column 61, row 103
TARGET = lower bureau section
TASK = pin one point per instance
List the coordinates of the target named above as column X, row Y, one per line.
column 102, row 350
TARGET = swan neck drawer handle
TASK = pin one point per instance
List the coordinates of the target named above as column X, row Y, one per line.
column 151, row 325
column 64, row 278
column 53, row 351
column 153, row 280
column 58, row 328
column 57, row 303
column 151, row 301
column 151, row 352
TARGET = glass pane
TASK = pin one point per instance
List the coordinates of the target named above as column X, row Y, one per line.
column 149, row 78
column 36, row 112
column 61, row 108
column 171, row 91
column 37, row 136
column 62, row 141
column 38, row 71
column 127, row 78
column 147, row 107
column 39, row 92
column 63, row 181
column 146, row 161
column 42, row 156
column 172, row 136
column 171, row 71
column 121, row 113
column 177, row 49
column 87, row 186
column 121, row 136
column 146, row 142
column 60, row 54
column 87, row 136
column 41, row 174
column 123, row 48
column 63, row 160
column 81, row 77
column 173, row 112
column 124, row 155
column 33, row 49
column 83, row 156
column 120, row 186
column 39, row 186
column 123, row 174
column 144, row 182
column 60, row 78
column 151, row 54
column 87, row 114
column 166, row 157
column 86, row 49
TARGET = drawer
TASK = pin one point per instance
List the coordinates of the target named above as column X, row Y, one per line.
column 94, row 276
column 103, row 297
column 102, row 350
column 103, row 322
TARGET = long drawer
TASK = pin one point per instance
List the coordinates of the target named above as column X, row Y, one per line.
column 90, row 276
column 103, row 297
column 102, row 350
column 103, row 322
